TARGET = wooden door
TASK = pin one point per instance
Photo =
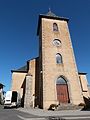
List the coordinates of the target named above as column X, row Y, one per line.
column 62, row 93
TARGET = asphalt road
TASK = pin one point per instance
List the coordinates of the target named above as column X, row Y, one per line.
column 14, row 114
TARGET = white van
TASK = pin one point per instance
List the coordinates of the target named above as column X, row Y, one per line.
column 12, row 99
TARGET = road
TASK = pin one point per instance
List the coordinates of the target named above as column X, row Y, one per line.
column 14, row 114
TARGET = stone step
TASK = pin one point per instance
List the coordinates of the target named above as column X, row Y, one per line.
column 69, row 107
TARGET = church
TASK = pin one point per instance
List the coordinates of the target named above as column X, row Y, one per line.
column 52, row 77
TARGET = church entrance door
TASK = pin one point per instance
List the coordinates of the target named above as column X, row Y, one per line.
column 62, row 91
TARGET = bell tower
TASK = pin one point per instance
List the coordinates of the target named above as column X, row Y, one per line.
column 58, row 74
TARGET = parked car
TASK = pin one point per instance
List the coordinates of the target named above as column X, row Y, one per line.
column 12, row 99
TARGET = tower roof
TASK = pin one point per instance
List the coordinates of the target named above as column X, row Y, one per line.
column 49, row 15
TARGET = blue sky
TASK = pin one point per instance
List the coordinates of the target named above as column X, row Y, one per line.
column 18, row 27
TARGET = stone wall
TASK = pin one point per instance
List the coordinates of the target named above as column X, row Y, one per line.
column 17, row 82
column 29, row 100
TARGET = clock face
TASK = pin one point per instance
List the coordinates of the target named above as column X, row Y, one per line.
column 57, row 42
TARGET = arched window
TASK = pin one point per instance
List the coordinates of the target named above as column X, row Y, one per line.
column 61, row 81
column 58, row 58
column 55, row 27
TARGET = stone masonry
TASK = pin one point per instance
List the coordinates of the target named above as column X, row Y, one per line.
column 28, row 94
column 51, row 71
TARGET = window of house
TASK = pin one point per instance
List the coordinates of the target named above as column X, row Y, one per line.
column 58, row 58
column 55, row 27
column 57, row 42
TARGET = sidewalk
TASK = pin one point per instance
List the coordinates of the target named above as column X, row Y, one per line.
column 64, row 113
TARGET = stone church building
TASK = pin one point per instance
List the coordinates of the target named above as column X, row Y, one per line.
column 53, row 77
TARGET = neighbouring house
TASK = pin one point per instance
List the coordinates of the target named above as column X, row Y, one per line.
column 53, row 77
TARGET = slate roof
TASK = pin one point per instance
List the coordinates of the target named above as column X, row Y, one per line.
column 21, row 69
column 82, row 73
column 24, row 68
column 50, row 14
